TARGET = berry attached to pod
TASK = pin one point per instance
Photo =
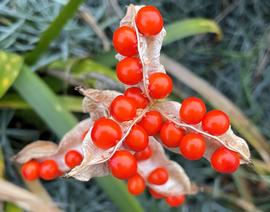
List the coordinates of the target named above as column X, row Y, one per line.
column 30, row 170
column 155, row 194
column 175, row 201
column 160, row 85
column 123, row 108
column 137, row 139
column 84, row 134
column 137, row 95
column 125, row 41
column 158, row 176
column 151, row 122
column 171, row 135
column 144, row 154
column 136, row 185
column 105, row 133
column 149, row 21
column 216, row 122
column 192, row 110
column 123, row 164
column 192, row 146
column 73, row 158
column 129, row 70
column 49, row 170
column 225, row 161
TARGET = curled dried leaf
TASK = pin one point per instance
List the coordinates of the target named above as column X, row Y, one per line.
column 170, row 110
column 23, row 198
column 178, row 182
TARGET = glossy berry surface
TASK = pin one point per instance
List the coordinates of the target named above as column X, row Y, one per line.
column 105, row 133
column 30, row 170
column 137, row 139
column 192, row 110
column 84, row 134
column 175, row 201
column 123, row 108
column 158, row 176
column 136, row 185
column 123, row 164
column 149, row 21
column 73, row 158
column 129, row 70
column 216, row 122
column 125, row 41
column 49, row 170
column 171, row 135
column 155, row 194
column 192, row 146
column 144, row 154
column 137, row 95
column 160, row 85
column 151, row 122
column 225, row 161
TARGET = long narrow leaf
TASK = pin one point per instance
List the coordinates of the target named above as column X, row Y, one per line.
column 189, row 27
column 53, row 31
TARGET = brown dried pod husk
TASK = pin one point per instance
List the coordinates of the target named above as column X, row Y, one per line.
column 178, row 182
column 170, row 110
column 41, row 150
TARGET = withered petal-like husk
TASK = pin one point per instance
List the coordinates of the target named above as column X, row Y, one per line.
column 23, row 198
column 178, row 182
column 170, row 110
column 96, row 102
column 41, row 150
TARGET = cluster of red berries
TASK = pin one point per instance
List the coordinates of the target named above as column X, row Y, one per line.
column 49, row 169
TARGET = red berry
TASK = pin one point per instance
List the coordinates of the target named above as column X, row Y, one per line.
column 149, row 21
column 123, row 164
column 123, row 108
column 30, row 170
column 175, row 201
column 192, row 146
column 155, row 194
column 129, row 71
column 73, row 158
column 84, row 134
column 171, row 135
column 151, row 122
column 216, row 122
column 158, row 176
column 137, row 139
column 49, row 170
column 143, row 155
column 137, row 95
column 192, row 110
column 136, row 185
column 105, row 133
column 125, row 41
column 160, row 85
column 225, row 161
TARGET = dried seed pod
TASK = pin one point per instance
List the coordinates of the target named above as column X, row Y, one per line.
column 170, row 110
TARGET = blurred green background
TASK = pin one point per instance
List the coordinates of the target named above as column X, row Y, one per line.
column 61, row 44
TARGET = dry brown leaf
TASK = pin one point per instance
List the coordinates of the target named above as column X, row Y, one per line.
column 23, row 198
column 178, row 182
column 170, row 110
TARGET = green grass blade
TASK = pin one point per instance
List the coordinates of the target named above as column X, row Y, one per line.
column 10, row 65
column 53, row 31
column 56, row 116
column 189, row 27
column 73, row 103
column 109, row 183
column 44, row 102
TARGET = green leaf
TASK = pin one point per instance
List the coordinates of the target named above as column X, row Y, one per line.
column 189, row 27
column 53, row 31
column 10, row 207
column 10, row 65
column 56, row 116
